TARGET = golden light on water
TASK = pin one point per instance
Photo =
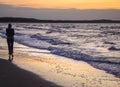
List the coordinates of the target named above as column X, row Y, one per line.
column 64, row 4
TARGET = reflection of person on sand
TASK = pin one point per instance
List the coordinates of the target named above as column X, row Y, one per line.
column 10, row 40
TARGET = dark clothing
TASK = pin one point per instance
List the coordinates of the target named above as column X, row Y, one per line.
column 10, row 39
column 10, row 42
column 9, row 32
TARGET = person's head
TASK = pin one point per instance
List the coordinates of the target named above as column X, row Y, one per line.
column 9, row 26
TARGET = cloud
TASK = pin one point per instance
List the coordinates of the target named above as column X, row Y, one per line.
column 62, row 14
column 79, row 4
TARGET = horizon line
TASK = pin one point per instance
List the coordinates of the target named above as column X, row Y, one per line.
column 57, row 19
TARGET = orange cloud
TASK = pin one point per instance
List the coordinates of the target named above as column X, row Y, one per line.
column 78, row 4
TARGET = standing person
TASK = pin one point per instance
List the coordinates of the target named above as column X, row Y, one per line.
column 10, row 40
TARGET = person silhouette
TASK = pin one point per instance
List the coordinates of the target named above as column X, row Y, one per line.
column 10, row 40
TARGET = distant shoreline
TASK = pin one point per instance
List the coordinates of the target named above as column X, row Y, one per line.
column 32, row 20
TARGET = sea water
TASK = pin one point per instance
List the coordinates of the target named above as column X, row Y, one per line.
column 95, row 43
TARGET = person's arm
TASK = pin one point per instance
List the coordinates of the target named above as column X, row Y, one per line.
column 6, row 33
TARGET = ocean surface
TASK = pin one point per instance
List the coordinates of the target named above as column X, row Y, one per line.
column 97, row 44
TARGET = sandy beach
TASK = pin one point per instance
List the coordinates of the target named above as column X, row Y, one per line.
column 43, row 69
column 13, row 76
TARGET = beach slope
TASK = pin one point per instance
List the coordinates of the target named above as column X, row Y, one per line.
column 13, row 76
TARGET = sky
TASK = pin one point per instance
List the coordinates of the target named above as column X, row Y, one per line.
column 61, row 9
column 65, row 4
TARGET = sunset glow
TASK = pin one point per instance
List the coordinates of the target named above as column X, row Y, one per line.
column 65, row 4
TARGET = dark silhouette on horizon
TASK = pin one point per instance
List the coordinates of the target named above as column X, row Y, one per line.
column 10, row 40
column 33, row 20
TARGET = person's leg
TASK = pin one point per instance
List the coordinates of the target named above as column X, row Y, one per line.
column 10, row 47
column 12, row 43
column 8, row 42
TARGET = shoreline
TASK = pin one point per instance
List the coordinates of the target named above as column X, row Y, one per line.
column 54, row 68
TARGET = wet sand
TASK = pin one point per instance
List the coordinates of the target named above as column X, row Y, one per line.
column 13, row 76
column 59, row 70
